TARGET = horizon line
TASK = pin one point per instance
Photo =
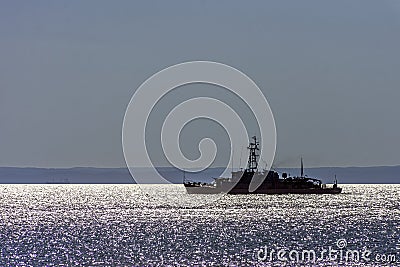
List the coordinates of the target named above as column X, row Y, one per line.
column 126, row 167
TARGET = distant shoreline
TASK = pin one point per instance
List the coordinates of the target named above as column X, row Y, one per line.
column 93, row 175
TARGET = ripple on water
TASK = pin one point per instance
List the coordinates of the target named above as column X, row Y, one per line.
column 119, row 225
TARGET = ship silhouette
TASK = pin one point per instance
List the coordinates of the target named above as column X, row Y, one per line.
column 269, row 180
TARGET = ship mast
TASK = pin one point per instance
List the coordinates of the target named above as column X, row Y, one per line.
column 302, row 167
column 252, row 164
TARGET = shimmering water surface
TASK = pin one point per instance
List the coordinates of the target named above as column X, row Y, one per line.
column 114, row 225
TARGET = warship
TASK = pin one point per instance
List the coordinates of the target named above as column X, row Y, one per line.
column 272, row 182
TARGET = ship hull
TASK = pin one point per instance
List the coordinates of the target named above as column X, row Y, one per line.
column 289, row 191
column 202, row 190
column 239, row 191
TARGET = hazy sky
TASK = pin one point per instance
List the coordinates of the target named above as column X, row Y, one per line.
column 329, row 69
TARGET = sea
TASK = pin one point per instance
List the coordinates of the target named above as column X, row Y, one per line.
column 124, row 225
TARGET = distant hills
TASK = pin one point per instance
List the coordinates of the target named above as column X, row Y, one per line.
column 87, row 175
column 353, row 175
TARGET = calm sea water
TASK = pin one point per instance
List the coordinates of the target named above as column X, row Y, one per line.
column 114, row 225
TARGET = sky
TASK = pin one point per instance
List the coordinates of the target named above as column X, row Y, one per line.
column 329, row 70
